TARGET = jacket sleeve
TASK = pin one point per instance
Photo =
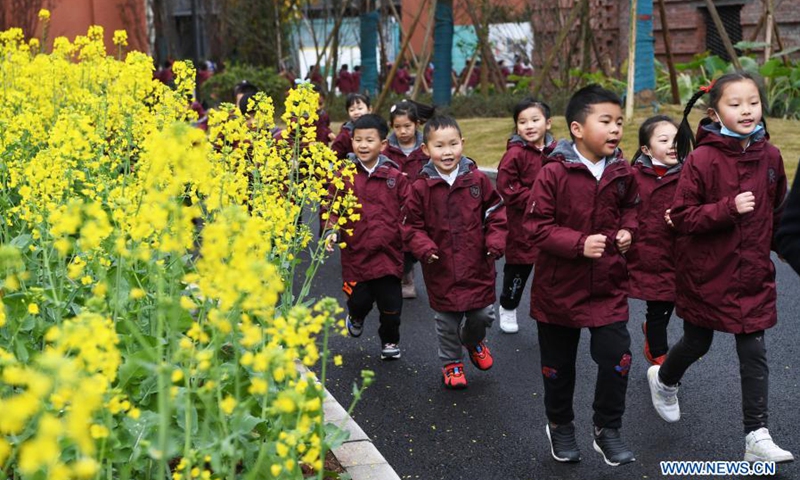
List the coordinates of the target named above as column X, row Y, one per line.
column 690, row 214
column 342, row 144
column 494, row 218
column 414, row 235
column 541, row 219
column 513, row 192
column 629, row 208
column 779, row 204
column 788, row 236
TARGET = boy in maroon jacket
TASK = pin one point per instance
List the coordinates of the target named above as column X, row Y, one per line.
column 583, row 218
column 372, row 261
column 456, row 226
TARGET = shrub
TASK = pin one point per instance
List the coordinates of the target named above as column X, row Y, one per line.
column 219, row 88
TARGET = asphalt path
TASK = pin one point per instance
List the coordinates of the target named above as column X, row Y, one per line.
column 495, row 428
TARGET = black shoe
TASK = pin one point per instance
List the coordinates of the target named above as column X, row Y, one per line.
column 355, row 326
column 609, row 443
column 563, row 446
column 390, row 351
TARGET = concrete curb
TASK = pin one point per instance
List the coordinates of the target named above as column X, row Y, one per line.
column 490, row 172
column 357, row 455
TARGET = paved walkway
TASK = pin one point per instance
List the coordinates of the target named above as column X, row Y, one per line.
column 495, row 428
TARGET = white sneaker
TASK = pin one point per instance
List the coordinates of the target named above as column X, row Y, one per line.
column 665, row 398
column 759, row 447
column 508, row 321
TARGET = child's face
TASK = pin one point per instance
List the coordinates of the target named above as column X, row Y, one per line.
column 599, row 135
column 662, row 144
column 358, row 109
column 367, row 145
column 444, row 147
column 532, row 126
column 404, row 129
column 739, row 107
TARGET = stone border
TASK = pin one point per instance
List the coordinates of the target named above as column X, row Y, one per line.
column 357, row 455
column 490, row 172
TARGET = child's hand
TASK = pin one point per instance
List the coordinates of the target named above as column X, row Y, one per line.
column 494, row 254
column 433, row 258
column 330, row 241
column 331, row 137
column 668, row 219
column 745, row 202
column 624, row 239
column 595, row 246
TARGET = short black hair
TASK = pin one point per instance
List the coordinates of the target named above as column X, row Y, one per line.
column 439, row 122
column 530, row 102
column 372, row 121
column 582, row 101
column 244, row 87
column 415, row 111
column 246, row 109
column 353, row 98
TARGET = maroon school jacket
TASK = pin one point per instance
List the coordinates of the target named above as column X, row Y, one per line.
column 343, row 143
column 515, row 176
column 651, row 259
column 459, row 224
column 411, row 164
column 375, row 248
column 567, row 206
column 725, row 279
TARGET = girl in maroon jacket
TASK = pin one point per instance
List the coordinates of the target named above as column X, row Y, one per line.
column 372, row 261
column 726, row 209
column 404, row 147
column 357, row 105
column 651, row 259
column 525, row 153
column 456, row 226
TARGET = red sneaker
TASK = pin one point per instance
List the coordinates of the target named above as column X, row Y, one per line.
column 454, row 376
column 480, row 356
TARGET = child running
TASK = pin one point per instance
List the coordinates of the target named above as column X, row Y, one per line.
column 651, row 259
column 726, row 210
column 583, row 219
column 357, row 105
column 405, row 148
column 530, row 143
column 372, row 262
column 456, row 226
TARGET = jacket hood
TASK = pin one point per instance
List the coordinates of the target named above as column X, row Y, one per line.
column 564, row 152
column 710, row 133
column 464, row 165
column 392, row 139
column 647, row 162
column 382, row 160
column 515, row 139
column 349, row 126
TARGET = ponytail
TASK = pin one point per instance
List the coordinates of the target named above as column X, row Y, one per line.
column 684, row 140
column 416, row 112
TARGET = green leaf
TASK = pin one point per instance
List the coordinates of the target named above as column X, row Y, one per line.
column 21, row 350
column 21, row 241
column 243, row 424
column 181, row 417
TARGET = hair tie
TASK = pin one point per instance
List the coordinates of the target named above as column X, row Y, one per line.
column 708, row 88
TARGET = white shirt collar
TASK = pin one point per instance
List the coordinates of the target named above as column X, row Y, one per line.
column 449, row 178
column 595, row 168
column 369, row 170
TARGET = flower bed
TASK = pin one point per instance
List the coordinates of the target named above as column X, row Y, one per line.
column 150, row 323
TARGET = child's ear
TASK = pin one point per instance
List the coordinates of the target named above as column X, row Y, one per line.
column 384, row 142
column 645, row 150
column 425, row 150
column 576, row 129
column 548, row 124
column 712, row 114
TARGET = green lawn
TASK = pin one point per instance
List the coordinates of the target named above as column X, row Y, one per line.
column 486, row 137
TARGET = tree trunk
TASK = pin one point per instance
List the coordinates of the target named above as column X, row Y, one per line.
column 544, row 72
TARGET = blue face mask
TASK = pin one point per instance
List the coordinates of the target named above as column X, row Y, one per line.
column 728, row 133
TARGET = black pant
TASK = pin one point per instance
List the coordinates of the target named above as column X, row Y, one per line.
column 753, row 368
column 408, row 263
column 657, row 316
column 387, row 294
column 610, row 348
column 514, row 278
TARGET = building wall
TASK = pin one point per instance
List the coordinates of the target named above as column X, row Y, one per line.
column 70, row 18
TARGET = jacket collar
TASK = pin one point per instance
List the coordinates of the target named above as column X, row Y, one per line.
column 549, row 142
column 709, row 133
column 465, row 165
column 392, row 139
column 564, row 152
column 643, row 161
column 383, row 160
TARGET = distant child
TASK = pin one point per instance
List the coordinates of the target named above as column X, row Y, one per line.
column 372, row 261
column 356, row 105
column 405, row 148
column 583, row 216
column 456, row 226
column 526, row 150
column 651, row 259
column 323, row 123
column 726, row 211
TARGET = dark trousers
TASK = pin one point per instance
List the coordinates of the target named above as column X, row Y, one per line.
column 753, row 368
column 657, row 316
column 408, row 263
column 387, row 294
column 514, row 278
column 610, row 348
